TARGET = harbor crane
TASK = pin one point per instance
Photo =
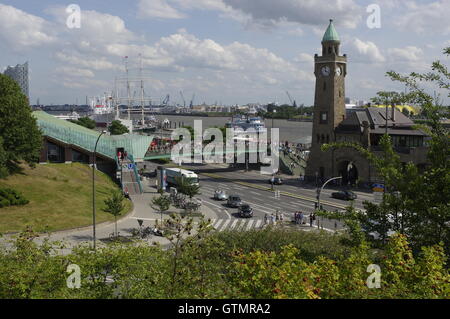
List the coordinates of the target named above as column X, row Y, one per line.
column 294, row 104
column 191, row 105
column 165, row 102
column 182, row 97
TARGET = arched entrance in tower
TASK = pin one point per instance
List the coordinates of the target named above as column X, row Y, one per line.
column 349, row 173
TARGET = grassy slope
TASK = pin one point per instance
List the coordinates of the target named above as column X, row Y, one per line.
column 60, row 197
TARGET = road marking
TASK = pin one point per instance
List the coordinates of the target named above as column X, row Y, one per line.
column 249, row 224
column 217, row 224
column 222, row 209
column 150, row 219
column 233, row 224
column 227, row 221
column 310, row 199
column 258, row 223
column 255, row 193
column 264, row 208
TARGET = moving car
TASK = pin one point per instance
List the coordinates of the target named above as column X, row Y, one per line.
column 234, row 201
column 276, row 180
column 345, row 195
column 245, row 211
column 220, row 195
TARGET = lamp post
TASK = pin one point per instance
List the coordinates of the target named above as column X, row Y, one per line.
column 273, row 114
column 93, row 185
column 319, row 191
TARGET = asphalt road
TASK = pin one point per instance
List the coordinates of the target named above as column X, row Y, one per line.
column 254, row 189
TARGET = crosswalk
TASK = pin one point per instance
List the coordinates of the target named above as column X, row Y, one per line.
column 237, row 224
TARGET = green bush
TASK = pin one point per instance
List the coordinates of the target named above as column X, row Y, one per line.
column 11, row 197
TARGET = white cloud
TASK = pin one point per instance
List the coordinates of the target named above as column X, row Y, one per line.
column 407, row 54
column 83, row 61
column 425, row 17
column 20, row 30
column 157, row 9
column 304, row 58
column 76, row 72
column 363, row 51
column 309, row 12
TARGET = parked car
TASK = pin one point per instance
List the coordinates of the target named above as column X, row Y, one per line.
column 276, row 180
column 345, row 195
column 220, row 195
column 234, row 201
column 245, row 211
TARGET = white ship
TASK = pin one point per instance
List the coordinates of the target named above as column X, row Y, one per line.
column 102, row 105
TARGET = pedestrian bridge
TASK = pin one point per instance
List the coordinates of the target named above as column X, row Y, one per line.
column 74, row 139
column 74, row 136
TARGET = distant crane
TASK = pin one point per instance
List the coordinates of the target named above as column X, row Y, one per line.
column 182, row 97
column 294, row 104
column 191, row 105
column 165, row 102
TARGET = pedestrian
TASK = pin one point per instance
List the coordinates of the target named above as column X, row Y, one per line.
column 119, row 155
column 272, row 216
column 125, row 154
column 301, row 218
column 266, row 218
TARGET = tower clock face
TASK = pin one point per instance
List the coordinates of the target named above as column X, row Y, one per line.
column 338, row 71
column 325, row 71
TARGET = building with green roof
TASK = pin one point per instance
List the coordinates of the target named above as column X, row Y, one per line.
column 331, row 34
column 74, row 139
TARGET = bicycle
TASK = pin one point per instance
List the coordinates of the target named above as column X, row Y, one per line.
column 113, row 236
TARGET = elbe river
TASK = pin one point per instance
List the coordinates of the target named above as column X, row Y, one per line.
column 292, row 131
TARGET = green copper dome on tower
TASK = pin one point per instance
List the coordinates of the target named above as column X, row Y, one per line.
column 331, row 34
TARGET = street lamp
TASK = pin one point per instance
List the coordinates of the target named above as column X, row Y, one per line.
column 273, row 113
column 93, row 185
column 319, row 191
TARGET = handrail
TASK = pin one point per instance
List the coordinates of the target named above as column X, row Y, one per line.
column 136, row 174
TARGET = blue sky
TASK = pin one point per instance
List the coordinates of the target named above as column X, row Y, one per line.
column 229, row 51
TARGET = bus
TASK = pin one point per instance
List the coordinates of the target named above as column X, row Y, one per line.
column 172, row 174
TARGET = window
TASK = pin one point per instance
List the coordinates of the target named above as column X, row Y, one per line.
column 323, row 117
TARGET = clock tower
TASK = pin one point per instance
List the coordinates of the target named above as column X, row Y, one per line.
column 330, row 70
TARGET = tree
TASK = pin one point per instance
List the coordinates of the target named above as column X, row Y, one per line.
column 117, row 128
column 416, row 203
column 85, row 121
column 20, row 138
column 161, row 204
column 187, row 188
column 115, row 206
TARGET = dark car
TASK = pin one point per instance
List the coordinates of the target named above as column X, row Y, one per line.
column 345, row 195
column 276, row 181
column 234, row 201
column 245, row 211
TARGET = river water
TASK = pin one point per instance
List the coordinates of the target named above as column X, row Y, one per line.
column 295, row 132
column 292, row 131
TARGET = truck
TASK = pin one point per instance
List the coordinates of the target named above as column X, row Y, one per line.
column 172, row 174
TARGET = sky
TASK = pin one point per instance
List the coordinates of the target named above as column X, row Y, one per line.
column 224, row 51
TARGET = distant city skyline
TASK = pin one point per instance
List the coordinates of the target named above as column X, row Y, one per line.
column 19, row 73
column 230, row 51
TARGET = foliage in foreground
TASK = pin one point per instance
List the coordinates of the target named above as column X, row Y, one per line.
column 416, row 202
column 203, row 265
